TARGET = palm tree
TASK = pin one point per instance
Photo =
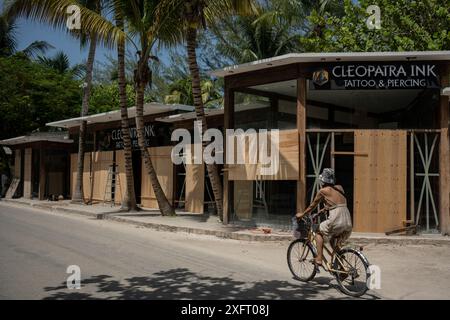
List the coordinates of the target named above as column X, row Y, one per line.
column 150, row 22
column 8, row 40
column 53, row 12
column 147, row 21
column 180, row 92
column 195, row 14
column 129, row 202
column 78, row 194
column 61, row 64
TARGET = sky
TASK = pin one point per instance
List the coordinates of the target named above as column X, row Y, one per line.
column 28, row 31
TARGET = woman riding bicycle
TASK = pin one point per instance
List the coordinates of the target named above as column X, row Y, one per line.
column 338, row 226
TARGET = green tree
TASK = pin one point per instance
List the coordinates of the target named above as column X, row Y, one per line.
column 33, row 95
column 406, row 25
column 180, row 91
column 52, row 12
column 105, row 97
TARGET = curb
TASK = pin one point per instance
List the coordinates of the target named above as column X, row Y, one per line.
column 235, row 235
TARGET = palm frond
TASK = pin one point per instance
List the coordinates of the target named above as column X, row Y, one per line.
column 55, row 13
column 8, row 37
column 37, row 47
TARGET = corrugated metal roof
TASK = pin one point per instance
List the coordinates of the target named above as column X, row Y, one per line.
column 39, row 137
column 149, row 108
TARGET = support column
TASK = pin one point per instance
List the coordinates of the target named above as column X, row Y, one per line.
column 27, row 173
column 42, row 174
column 301, row 127
column 444, row 157
column 228, row 124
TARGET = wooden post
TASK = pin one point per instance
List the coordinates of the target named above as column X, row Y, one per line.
column 411, row 179
column 228, row 124
column 444, row 156
column 42, row 174
column 27, row 173
column 301, row 127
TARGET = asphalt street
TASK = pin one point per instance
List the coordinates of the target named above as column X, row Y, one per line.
column 120, row 261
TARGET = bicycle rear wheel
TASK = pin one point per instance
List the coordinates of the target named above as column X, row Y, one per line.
column 299, row 254
column 354, row 282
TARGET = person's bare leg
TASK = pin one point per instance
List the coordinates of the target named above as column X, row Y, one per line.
column 319, row 242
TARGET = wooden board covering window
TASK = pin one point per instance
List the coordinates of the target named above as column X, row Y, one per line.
column 288, row 165
column 164, row 169
column 195, row 187
column 243, row 199
column 101, row 162
column 27, row 173
column 86, row 174
column 379, row 180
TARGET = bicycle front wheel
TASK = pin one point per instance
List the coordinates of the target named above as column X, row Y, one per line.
column 299, row 254
column 355, row 272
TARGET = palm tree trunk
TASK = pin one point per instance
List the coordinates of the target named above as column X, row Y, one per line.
column 78, row 195
column 200, row 114
column 142, row 78
column 129, row 198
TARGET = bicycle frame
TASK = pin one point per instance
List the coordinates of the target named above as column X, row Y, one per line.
column 332, row 253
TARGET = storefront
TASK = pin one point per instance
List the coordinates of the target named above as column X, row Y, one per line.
column 381, row 120
column 104, row 179
column 40, row 166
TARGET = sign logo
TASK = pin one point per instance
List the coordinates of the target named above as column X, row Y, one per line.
column 321, row 77
column 375, row 76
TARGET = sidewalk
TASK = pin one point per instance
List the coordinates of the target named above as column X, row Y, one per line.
column 207, row 225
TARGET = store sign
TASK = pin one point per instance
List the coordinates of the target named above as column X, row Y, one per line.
column 155, row 135
column 353, row 76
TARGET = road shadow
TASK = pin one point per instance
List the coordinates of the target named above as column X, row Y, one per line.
column 181, row 283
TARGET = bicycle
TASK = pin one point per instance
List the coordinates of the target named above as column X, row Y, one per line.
column 348, row 265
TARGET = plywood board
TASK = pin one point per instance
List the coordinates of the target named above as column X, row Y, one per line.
column 86, row 174
column 27, row 173
column 195, row 187
column 380, row 180
column 243, row 199
column 288, row 161
column 164, row 170
column 101, row 162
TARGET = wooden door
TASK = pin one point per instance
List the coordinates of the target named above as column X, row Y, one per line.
column 380, row 168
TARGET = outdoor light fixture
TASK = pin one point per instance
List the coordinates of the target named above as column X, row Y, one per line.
column 446, row 91
column 7, row 151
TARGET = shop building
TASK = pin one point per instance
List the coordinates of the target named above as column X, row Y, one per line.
column 381, row 120
column 104, row 178
column 40, row 165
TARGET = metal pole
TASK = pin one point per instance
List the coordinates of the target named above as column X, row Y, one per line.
column 332, row 151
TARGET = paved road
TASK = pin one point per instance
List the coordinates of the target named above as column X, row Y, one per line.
column 119, row 261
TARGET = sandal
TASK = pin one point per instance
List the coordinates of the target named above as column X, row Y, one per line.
column 316, row 265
